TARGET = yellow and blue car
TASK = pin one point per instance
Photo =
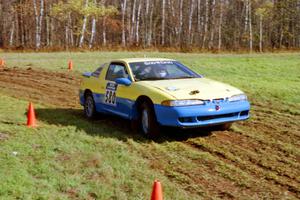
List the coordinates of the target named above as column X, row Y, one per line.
column 156, row 92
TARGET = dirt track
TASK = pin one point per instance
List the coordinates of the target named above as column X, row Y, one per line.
column 262, row 154
column 53, row 88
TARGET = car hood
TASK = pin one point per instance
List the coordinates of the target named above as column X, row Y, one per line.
column 196, row 88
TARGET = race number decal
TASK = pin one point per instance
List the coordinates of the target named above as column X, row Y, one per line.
column 110, row 94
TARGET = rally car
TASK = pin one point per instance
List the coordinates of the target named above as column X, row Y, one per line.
column 156, row 92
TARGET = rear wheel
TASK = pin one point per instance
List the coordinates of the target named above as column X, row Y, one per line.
column 148, row 122
column 89, row 106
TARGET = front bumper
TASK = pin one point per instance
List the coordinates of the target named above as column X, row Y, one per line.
column 202, row 115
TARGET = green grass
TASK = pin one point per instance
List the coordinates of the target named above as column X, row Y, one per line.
column 68, row 157
column 264, row 76
column 53, row 161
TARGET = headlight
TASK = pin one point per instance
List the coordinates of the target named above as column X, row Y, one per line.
column 188, row 102
column 239, row 97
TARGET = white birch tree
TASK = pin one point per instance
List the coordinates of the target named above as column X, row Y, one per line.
column 220, row 26
column 163, row 21
column 38, row 22
column 83, row 29
column 123, row 11
column 190, row 20
column 206, row 23
column 250, row 27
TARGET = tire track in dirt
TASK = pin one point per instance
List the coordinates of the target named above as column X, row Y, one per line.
column 195, row 176
column 42, row 86
column 246, row 163
column 270, row 133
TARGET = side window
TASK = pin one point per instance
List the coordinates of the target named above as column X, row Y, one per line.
column 98, row 71
column 116, row 70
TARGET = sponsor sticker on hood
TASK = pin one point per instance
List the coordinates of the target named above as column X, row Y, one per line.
column 172, row 88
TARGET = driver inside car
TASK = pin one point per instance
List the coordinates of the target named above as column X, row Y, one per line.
column 159, row 72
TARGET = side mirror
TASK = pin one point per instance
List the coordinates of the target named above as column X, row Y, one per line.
column 123, row 81
column 87, row 74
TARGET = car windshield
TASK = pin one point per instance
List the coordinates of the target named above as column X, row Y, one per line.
column 161, row 70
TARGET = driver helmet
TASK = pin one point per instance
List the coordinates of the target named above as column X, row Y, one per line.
column 160, row 71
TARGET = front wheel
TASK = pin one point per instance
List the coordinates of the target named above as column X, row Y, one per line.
column 149, row 125
column 89, row 107
column 224, row 127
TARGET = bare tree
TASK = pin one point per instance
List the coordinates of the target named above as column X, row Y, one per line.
column 137, row 36
column 123, row 10
column 83, row 25
column 220, row 25
column 163, row 22
column 38, row 22
column 206, row 23
column 199, row 18
column 212, row 28
column 250, row 27
column 93, row 32
column 191, row 20
column 212, row 24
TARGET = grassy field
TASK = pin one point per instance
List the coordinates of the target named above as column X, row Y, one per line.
column 68, row 157
column 265, row 76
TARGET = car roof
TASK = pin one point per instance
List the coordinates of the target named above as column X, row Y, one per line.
column 131, row 60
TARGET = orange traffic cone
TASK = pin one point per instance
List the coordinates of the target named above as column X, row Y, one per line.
column 157, row 191
column 31, row 120
column 70, row 65
column 2, row 62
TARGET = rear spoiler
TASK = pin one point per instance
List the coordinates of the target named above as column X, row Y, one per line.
column 87, row 74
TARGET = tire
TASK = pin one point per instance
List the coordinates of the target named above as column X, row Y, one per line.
column 89, row 106
column 224, row 127
column 148, row 123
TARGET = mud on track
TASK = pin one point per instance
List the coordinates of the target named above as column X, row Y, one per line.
column 46, row 87
column 257, row 159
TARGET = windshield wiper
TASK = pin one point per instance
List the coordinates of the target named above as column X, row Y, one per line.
column 182, row 77
column 167, row 78
column 151, row 79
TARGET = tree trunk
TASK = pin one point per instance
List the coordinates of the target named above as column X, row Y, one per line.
column 246, row 2
column 220, row 25
column 137, row 36
column 71, row 30
column 146, row 23
column 250, row 28
column 212, row 28
column 149, row 40
column 12, row 33
column 48, row 31
column 260, row 33
column 131, row 35
column 206, row 24
column 104, row 32
column 93, row 32
column 66, row 36
column 180, row 21
column 163, row 22
column 83, row 26
column 199, row 20
column 123, row 7
column 38, row 22
column 190, row 21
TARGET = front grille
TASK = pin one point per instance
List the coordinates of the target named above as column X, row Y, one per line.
column 244, row 113
column 204, row 118
column 215, row 101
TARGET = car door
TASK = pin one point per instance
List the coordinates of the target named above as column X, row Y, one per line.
column 96, row 84
column 113, row 100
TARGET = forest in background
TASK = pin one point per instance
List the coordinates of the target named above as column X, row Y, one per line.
column 214, row 25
